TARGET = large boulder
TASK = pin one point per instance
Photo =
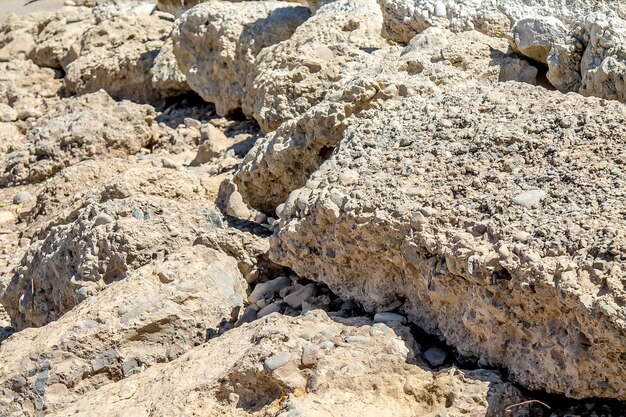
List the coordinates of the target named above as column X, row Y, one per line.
column 116, row 54
column 291, row 76
column 491, row 210
column 310, row 365
column 216, row 44
column 434, row 60
column 109, row 130
column 160, row 312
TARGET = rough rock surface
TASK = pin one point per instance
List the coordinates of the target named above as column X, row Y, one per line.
column 167, row 78
column 294, row 75
column 480, row 217
column 216, row 45
column 308, row 365
column 284, row 160
column 115, row 130
column 161, row 311
column 116, row 55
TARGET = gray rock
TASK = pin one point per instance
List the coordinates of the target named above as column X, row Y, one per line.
column 103, row 218
column 296, row 298
column 263, row 289
column 386, row 317
column 435, row 356
column 269, row 309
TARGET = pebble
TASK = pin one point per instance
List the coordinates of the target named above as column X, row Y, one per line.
column 23, row 197
column 103, row 218
column 28, row 113
column 296, row 298
column 272, row 308
column 168, row 163
column 6, row 217
column 248, row 316
column 379, row 329
column 435, row 356
column 7, row 113
column 385, row 317
column 440, row 9
column 264, row 289
column 529, row 198
column 274, row 362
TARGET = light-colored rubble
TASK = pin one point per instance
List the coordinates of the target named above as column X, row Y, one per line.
column 216, row 44
column 157, row 314
column 422, row 201
column 300, row 366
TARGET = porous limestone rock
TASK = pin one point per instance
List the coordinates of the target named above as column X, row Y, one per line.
column 216, row 44
column 167, row 78
column 158, row 313
column 291, row 76
column 116, row 55
column 534, row 37
column 591, row 59
column 103, row 245
column 178, row 7
column 434, row 60
column 418, row 203
column 308, row 365
column 54, row 37
column 57, row 142
column 403, row 19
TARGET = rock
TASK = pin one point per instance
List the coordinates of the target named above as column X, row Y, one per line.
column 103, row 218
column 350, row 378
column 116, row 55
column 276, row 361
column 386, row 317
column 534, row 37
column 216, row 45
column 435, row 356
column 269, row 309
column 124, row 330
column 55, row 37
column 95, row 257
column 214, row 143
column 296, row 298
column 529, row 198
column 265, row 289
column 429, row 256
column 6, row 217
column 236, row 207
column 7, row 113
column 22, row 197
column 291, row 76
column 167, row 78
column 57, row 142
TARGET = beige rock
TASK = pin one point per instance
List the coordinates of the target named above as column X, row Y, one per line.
column 214, row 143
column 256, row 370
column 7, row 113
column 116, row 55
column 431, row 218
column 167, row 78
column 160, row 312
column 294, row 75
column 54, row 38
column 216, row 45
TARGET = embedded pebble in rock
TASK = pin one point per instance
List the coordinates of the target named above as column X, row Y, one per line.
column 530, row 198
column 23, row 197
column 276, row 361
column 435, row 356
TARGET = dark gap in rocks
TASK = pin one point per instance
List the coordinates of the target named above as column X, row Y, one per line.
column 325, row 153
column 236, row 115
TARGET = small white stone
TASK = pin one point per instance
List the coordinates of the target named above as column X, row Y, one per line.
column 440, row 9
column 274, row 362
column 529, row 198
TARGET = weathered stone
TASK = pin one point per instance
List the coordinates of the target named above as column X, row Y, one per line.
column 216, row 44
column 167, row 78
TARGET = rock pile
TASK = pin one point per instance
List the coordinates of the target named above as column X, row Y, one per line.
column 313, row 208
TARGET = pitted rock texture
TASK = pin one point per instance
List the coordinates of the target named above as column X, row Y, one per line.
column 216, row 45
column 294, row 75
column 167, row 78
column 434, row 60
column 160, row 312
column 307, row 365
column 103, row 245
column 113, row 130
column 116, row 55
column 501, row 212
